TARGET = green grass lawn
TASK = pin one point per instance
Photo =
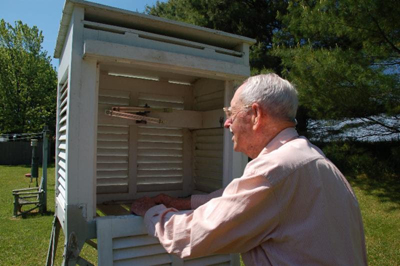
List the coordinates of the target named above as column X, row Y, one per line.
column 25, row 241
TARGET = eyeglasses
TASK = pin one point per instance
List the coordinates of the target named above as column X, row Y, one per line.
column 229, row 113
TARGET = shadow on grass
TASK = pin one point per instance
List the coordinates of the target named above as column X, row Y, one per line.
column 34, row 214
column 387, row 190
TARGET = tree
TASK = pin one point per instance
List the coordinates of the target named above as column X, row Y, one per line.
column 251, row 18
column 28, row 81
column 344, row 57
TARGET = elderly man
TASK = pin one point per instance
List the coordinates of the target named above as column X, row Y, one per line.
column 292, row 206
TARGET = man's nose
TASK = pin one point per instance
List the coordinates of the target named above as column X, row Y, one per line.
column 227, row 123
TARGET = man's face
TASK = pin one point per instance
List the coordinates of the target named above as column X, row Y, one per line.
column 239, row 124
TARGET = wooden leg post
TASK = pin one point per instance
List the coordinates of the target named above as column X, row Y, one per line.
column 55, row 233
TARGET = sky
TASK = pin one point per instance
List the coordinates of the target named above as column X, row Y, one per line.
column 46, row 15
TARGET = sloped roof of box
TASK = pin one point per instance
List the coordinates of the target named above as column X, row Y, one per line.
column 128, row 19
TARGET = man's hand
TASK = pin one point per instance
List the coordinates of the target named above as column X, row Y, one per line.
column 172, row 202
column 142, row 205
column 163, row 199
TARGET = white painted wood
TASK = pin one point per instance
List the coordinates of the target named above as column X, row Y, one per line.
column 148, row 24
column 161, row 38
column 178, row 63
column 104, row 241
column 213, row 119
column 73, row 145
column 164, row 44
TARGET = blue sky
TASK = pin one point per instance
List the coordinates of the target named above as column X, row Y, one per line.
column 46, row 15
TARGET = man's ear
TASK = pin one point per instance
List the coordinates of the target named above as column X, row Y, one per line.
column 256, row 116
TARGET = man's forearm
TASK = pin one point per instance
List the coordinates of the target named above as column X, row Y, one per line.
column 181, row 204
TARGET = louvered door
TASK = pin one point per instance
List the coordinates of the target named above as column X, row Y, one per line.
column 112, row 146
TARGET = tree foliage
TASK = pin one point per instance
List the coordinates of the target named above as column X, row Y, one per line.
column 344, row 57
column 28, row 81
column 251, row 18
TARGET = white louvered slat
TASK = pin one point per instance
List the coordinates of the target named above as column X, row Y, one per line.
column 159, row 259
column 160, row 166
column 158, row 159
column 155, row 152
column 208, row 154
column 62, row 163
column 112, row 137
column 158, row 173
column 160, row 131
column 112, row 182
column 112, row 152
column 140, row 251
column 62, row 146
column 112, row 166
column 112, row 129
column 61, row 173
column 61, row 182
column 110, row 144
column 63, row 120
column 164, row 139
column 134, row 241
column 163, row 181
column 112, row 159
column 112, row 174
column 163, row 146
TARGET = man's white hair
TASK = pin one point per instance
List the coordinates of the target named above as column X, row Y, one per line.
column 275, row 94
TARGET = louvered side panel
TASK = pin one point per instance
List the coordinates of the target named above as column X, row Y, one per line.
column 123, row 240
column 139, row 250
column 61, row 153
column 112, row 148
column 208, row 159
column 160, row 148
column 160, row 158
column 112, row 159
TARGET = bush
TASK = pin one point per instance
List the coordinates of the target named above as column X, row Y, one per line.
column 377, row 160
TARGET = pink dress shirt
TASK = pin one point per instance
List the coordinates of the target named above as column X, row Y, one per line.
column 292, row 206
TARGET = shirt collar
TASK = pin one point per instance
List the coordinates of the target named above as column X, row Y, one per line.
column 283, row 137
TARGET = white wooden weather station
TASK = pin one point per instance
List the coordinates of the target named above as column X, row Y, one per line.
column 139, row 113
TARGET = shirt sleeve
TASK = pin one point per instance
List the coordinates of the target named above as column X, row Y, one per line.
column 238, row 221
column 198, row 200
